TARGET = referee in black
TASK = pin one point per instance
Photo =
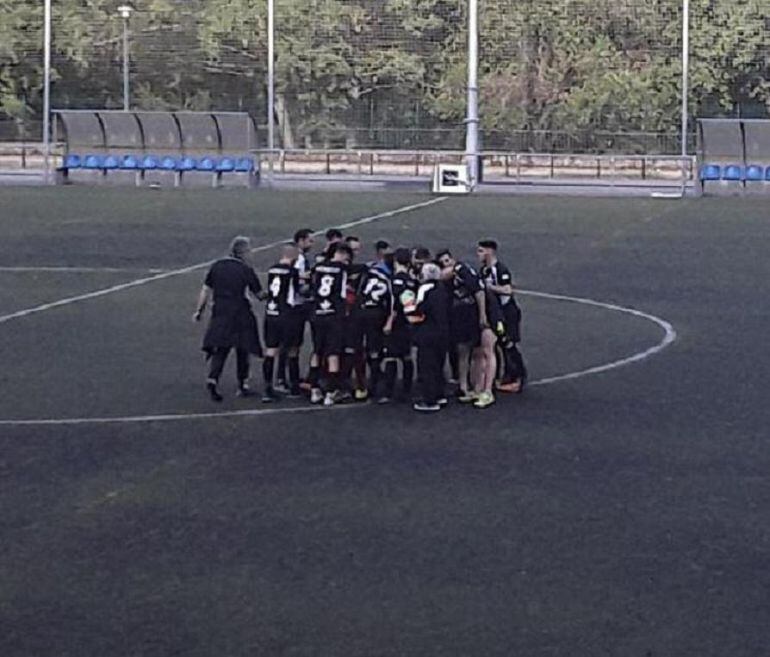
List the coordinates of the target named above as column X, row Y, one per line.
column 233, row 324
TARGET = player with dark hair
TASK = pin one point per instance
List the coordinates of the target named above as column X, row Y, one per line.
column 427, row 312
column 283, row 325
column 329, row 290
column 232, row 324
column 499, row 281
column 397, row 344
column 468, row 324
column 420, row 255
column 373, row 319
column 333, row 238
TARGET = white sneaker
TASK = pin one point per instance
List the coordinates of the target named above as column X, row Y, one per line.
column 316, row 396
column 329, row 399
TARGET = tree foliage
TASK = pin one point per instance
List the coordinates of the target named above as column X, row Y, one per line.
column 343, row 65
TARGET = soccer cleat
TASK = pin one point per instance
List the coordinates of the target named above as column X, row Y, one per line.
column 485, row 400
column 361, row 394
column 294, row 393
column 269, row 396
column 384, row 400
column 330, row 398
column 281, row 387
column 467, row 397
column 245, row 391
column 213, row 392
column 316, row 396
column 442, row 401
column 424, row 407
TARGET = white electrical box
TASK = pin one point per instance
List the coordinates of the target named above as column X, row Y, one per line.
column 451, row 179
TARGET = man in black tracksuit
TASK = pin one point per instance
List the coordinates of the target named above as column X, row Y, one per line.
column 428, row 312
column 233, row 324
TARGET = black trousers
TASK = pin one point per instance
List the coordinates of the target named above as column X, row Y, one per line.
column 218, row 358
column 430, row 369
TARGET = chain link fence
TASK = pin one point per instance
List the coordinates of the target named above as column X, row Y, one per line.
column 563, row 76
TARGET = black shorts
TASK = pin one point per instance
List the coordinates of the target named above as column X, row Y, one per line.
column 370, row 325
column 328, row 336
column 399, row 343
column 284, row 332
column 464, row 325
column 512, row 314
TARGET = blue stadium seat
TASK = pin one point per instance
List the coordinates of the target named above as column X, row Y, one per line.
column 187, row 164
column 767, row 174
column 111, row 162
column 129, row 162
column 206, row 164
column 755, row 173
column 149, row 163
column 710, row 172
column 226, row 164
column 244, row 165
column 72, row 162
column 733, row 173
column 93, row 162
column 169, row 163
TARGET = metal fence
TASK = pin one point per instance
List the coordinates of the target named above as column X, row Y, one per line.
column 563, row 76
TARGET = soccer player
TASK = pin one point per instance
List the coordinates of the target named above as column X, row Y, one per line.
column 283, row 325
column 397, row 344
column 373, row 319
column 468, row 325
column 329, row 287
column 333, row 237
column 303, row 242
column 499, row 281
column 427, row 312
column 383, row 256
column 232, row 325
column 354, row 359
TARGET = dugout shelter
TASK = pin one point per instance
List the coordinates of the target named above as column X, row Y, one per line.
column 157, row 148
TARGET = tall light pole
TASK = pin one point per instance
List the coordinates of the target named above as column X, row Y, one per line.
column 125, row 11
column 685, row 73
column 47, row 90
column 271, row 82
column 472, row 116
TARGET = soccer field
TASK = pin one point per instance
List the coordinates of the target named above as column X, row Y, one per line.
column 619, row 507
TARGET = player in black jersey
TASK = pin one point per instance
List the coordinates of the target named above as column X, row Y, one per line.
column 232, row 325
column 354, row 359
column 283, row 326
column 427, row 312
column 499, row 281
column 372, row 316
column 468, row 321
column 333, row 238
column 397, row 344
column 329, row 288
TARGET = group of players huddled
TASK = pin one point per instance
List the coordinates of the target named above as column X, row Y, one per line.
column 366, row 319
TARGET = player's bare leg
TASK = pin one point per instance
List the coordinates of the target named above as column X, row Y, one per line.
column 488, row 369
column 465, row 394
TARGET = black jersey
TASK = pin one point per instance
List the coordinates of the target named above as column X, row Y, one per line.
column 499, row 275
column 465, row 284
column 282, row 288
column 229, row 278
column 376, row 292
column 428, row 310
column 402, row 282
column 329, row 288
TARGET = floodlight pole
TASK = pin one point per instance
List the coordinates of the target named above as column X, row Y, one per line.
column 271, row 82
column 472, row 116
column 47, row 91
column 685, row 73
column 125, row 14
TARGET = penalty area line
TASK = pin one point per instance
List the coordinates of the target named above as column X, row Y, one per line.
column 669, row 337
column 202, row 265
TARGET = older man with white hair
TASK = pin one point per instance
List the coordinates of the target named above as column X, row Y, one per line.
column 233, row 324
column 428, row 312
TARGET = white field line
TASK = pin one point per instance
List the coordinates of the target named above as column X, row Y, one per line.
column 202, row 265
column 669, row 337
column 81, row 270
